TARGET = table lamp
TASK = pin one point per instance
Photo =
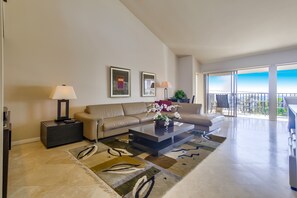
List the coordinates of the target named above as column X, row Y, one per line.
column 165, row 85
column 63, row 94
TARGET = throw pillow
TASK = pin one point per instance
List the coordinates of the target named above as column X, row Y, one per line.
column 166, row 102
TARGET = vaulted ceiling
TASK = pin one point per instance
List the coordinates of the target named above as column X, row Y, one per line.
column 215, row 30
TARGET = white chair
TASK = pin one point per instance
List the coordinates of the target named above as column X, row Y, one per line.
column 291, row 119
column 290, row 100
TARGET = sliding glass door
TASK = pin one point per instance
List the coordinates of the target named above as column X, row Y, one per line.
column 221, row 93
column 253, row 93
column 286, row 87
column 250, row 92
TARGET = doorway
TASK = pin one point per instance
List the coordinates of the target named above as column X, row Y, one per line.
column 253, row 93
column 246, row 91
column 286, row 87
column 221, row 93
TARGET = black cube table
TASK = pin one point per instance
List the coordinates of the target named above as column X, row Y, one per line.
column 59, row 133
column 160, row 140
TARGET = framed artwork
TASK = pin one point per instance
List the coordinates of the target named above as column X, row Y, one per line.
column 120, row 82
column 148, row 84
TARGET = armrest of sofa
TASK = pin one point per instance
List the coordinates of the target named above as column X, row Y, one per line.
column 90, row 125
column 189, row 108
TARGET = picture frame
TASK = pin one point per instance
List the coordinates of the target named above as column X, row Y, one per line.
column 120, row 82
column 148, row 84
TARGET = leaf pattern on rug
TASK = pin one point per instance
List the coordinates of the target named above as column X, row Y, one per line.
column 87, row 152
column 143, row 185
column 118, row 152
column 123, row 168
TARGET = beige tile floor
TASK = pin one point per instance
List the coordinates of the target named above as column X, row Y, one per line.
column 253, row 162
column 35, row 171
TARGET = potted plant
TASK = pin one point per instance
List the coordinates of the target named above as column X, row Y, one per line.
column 162, row 119
column 180, row 95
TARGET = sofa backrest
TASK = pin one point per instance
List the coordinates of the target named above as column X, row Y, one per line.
column 134, row 108
column 189, row 108
column 105, row 110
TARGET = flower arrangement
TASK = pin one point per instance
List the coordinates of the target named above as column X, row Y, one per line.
column 155, row 107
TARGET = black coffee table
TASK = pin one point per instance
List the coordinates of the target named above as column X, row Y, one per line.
column 159, row 141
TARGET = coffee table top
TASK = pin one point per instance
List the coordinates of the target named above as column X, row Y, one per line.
column 149, row 131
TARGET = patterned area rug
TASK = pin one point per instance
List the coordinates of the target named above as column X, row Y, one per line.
column 135, row 173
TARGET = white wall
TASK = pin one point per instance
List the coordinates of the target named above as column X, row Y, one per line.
column 200, row 90
column 272, row 92
column 196, row 69
column 51, row 42
column 171, row 73
column 198, row 84
column 187, row 69
column 274, row 58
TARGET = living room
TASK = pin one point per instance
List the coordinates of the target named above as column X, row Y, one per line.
column 50, row 43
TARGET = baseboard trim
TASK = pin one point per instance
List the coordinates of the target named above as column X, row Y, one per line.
column 25, row 141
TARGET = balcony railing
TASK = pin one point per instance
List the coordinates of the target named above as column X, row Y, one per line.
column 252, row 103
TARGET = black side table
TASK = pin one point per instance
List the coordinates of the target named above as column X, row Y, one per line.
column 6, row 148
column 58, row 133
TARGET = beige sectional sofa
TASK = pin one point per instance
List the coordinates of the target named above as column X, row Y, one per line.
column 191, row 113
column 107, row 120
column 112, row 119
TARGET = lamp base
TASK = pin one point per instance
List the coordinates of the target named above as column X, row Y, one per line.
column 61, row 118
column 165, row 94
column 69, row 121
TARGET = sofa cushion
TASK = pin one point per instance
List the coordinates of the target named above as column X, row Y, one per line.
column 134, row 108
column 189, row 108
column 105, row 111
column 144, row 117
column 119, row 121
column 204, row 120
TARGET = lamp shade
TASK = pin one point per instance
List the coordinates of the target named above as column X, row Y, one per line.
column 63, row 92
column 165, row 84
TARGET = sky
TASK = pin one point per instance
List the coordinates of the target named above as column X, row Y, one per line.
column 287, row 81
column 256, row 82
column 253, row 82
